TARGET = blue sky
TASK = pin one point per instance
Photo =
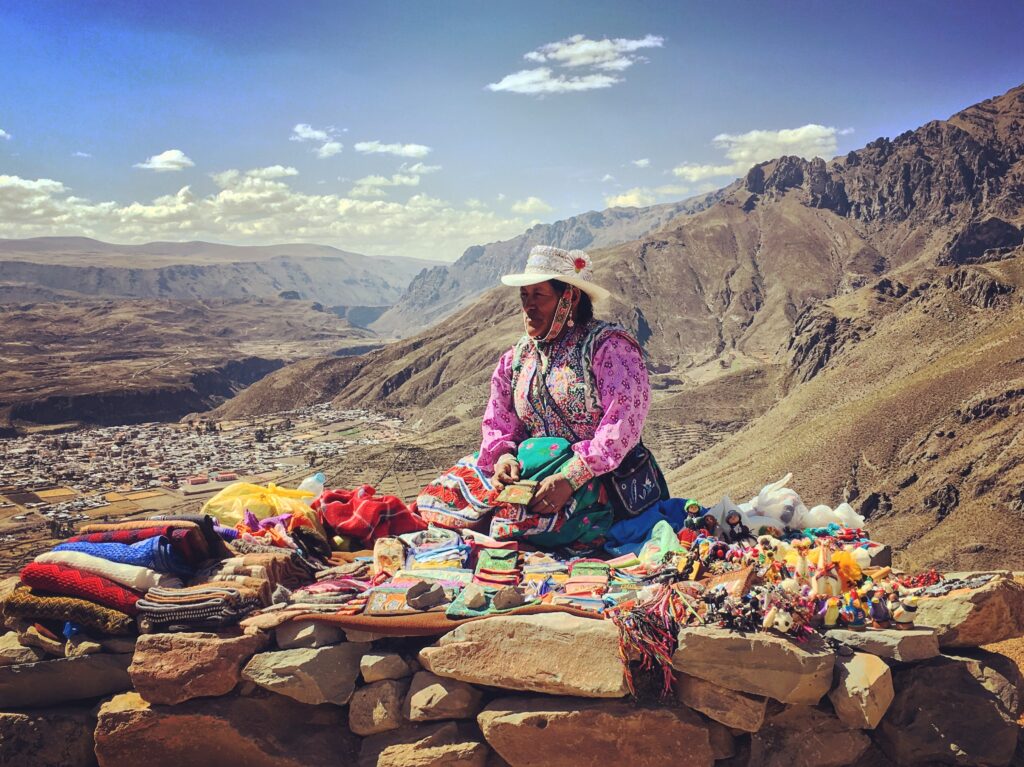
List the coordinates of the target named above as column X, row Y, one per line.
column 371, row 126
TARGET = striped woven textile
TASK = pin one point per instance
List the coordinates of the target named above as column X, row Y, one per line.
column 70, row 582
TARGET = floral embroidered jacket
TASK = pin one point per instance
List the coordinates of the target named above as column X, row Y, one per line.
column 597, row 378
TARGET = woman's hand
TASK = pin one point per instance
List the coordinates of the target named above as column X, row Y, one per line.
column 552, row 494
column 506, row 471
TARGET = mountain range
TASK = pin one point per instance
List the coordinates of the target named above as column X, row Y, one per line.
column 855, row 321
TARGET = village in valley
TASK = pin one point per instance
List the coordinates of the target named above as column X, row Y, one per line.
column 51, row 483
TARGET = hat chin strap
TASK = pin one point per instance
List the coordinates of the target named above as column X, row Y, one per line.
column 563, row 313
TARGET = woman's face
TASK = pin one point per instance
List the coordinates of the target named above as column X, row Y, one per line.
column 539, row 302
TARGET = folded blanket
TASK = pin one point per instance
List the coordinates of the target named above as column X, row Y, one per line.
column 185, row 538
column 218, row 549
column 70, row 582
column 30, row 605
column 129, row 576
column 363, row 514
column 208, row 606
column 281, row 567
column 152, row 553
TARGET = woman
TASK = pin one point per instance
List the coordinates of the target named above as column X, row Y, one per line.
column 567, row 406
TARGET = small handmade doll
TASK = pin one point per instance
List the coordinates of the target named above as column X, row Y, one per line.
column 710, row 527
column 693, row 515
column 735, row 530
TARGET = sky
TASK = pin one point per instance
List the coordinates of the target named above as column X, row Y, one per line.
column 421, row 128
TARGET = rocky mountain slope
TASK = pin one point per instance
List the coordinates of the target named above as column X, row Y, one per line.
column 55, row 267
column 829, row 318
column 438, row 292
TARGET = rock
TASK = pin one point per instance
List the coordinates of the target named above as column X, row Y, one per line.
column 951, row 711
column 906, row 646
column 55, row 682
column 355, row 635
column 507, row 598
column 733, row 709
column 79, row 645
column 977, row 617
column 52, row 737
column 437, row 745
column 377, row 707
column 423, row 595
column 267, row 731
column 863, row 690
column 759, row 663
column 12, row 651
column 307, row 634
column 434, row 697
column 376, row 666
column 309, row 675
column 557, row 732
column 801, row 736
column 723, row 742
column 32, row 637
column 171, row 668
column 474, row 596
column 553, row 653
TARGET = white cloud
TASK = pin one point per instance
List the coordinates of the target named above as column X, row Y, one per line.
column 576, row 53
column 399, row 150
column 329, row 149
column 5, row 135
column 501, row 196
column 272, row 171
column 579, row 51
column 323, row 136
column 371, row 186
column 607, row 177
column 531, row 206
column 644, row 163
column 642, row 196
column 543, row 82
column 80, row 154
column 306, row 132
column 420, row 168
column 169, row 160
column 747, row 149
column 255, row 207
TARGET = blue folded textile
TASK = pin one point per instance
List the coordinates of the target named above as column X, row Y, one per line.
column 155, row 553
column 627, row 536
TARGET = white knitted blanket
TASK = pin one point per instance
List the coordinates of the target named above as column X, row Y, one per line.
column 132, row 577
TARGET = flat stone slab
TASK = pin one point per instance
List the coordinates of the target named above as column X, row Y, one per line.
column 863, row 690
column 436, row 697
column 307, row 634
column 309, row 675
column 729, row 707
column 553, row 653
column 376, row 666
column 566, row 732
column 976, row 617
column 267, row 731
column 49, row 737
column 172, row 668
column 440, row 744
column 377, row 707
column 801, row 735
column 951, row 711
column 55, row 682
column 758, row 663
column 907, row 646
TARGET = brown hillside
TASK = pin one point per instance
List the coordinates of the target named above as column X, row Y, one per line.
column 828, row 316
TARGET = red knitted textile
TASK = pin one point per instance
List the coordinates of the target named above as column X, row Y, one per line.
column 61, row 579
column 363, row 514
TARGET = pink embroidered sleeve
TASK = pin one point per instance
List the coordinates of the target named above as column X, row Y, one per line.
column 502, row 429
column 625, row 394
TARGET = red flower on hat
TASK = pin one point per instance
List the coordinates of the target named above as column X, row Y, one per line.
column 580, row 263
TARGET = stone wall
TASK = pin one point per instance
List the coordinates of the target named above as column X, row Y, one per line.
column 519, row 690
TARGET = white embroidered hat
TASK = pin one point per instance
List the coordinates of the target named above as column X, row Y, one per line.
column 573, row 267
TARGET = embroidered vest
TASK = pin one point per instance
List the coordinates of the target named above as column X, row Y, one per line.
column 567, row 366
